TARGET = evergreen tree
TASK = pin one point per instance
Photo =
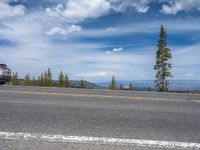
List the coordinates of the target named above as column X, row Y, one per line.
column 33, row 82
column 121, row 87
column 27, row 80
column 39, row 81
column 82, row 84
column 113, row 85
column 61, row 80
column 130, row 87
column 66, row 81
column 162, row 66
column 42, row 79
column 49, row 78
column 15, row 79
column 45, row 79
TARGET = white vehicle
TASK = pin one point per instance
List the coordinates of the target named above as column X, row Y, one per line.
column 5, row 74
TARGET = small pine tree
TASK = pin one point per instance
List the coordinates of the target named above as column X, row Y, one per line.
column 42, row 79
column 49, row 78
column 121, row 87
column 15, row 79
column 82, row 84
column 162, row 66
column 27, row 80
column 113, row 85
column 66, row 81
column 33, row 82
column 45, row 79
column 39, row 81
column 60, row 80
column 130, row 87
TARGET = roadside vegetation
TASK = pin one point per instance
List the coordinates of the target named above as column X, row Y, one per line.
column 162, row 68
column 45, row 79
column 163, row 65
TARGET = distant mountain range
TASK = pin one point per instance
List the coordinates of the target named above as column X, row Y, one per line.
column 74, row 84
column 89, row 85
column 175, row 85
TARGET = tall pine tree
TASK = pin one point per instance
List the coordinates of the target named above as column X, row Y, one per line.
column 162, row 66
column 113, row 85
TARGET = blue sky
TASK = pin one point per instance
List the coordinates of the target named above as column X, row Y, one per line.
column 95, row 39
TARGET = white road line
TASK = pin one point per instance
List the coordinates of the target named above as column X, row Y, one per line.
column 98, row 140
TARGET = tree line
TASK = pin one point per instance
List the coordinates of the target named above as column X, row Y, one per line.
column 45, row 80
column 162, row 67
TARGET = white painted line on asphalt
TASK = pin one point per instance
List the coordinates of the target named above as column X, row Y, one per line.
column 98, row 140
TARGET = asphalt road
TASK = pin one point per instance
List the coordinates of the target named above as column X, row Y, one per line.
column 61, row 119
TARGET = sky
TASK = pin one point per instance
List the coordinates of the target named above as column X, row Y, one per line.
column 96, row 39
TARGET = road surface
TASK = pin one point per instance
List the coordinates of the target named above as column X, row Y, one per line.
column 66, row 119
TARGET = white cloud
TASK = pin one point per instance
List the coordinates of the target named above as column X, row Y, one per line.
column 166, row 9
column 111, row 29
column 4, row 27
column 100, row 74
column 174, row 6
column 78, row 10
column 189, row 26
column 189, row 75
column 74, row 28
column 186, row 62
column 141, row 6
column 34, row 52
column 56, row 11
column 7, row 11
column 168, row 6
column 56, row 30
column 115, row 50
column 61, row 31
column 187, row 56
